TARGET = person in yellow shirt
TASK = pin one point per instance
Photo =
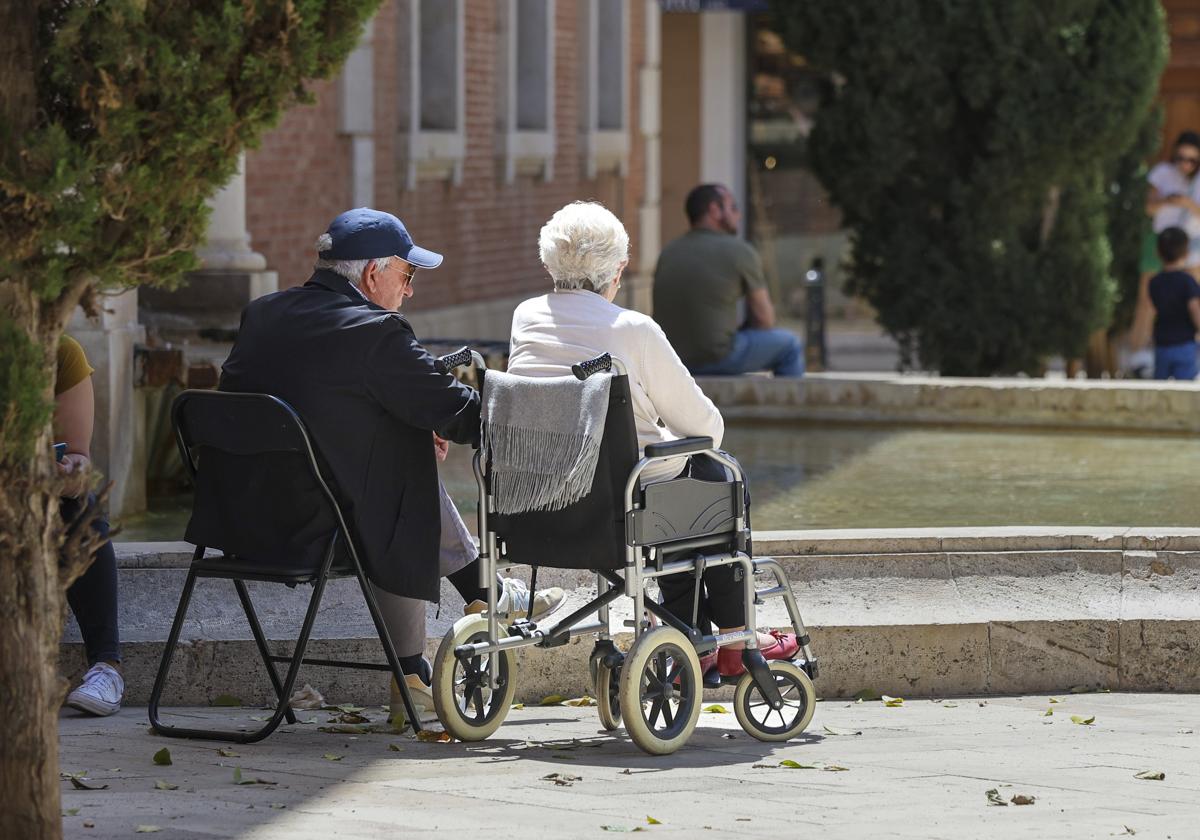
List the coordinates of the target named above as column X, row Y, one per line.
column 93, row 597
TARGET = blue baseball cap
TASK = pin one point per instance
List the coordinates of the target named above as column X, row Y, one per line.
column 366, row 234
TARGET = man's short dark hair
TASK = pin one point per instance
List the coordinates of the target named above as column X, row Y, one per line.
column 1172, row 245
column 699, row 200
column 1188, row 138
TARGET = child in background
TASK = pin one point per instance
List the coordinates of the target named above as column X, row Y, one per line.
column 1175, row 298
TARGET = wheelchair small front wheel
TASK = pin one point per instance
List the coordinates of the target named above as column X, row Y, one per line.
column 466, row 704
column 607, row 684
column 661, row 690
column 757, row 717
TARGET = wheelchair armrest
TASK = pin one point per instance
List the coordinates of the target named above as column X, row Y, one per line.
column 683, row 446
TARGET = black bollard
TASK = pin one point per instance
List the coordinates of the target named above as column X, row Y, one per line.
column 816, row 353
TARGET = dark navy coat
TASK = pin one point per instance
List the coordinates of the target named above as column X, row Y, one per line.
column 370, row 396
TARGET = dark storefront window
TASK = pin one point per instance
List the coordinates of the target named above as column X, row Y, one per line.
column 789, row 217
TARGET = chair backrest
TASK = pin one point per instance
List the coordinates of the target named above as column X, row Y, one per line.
column 589, row 534
column 260, row 493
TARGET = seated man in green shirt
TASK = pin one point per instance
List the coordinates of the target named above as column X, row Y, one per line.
column 700, row 284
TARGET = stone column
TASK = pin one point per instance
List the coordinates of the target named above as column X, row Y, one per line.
column 231, row 274
column 640, row 279
column 118, row 438
column 228, row 245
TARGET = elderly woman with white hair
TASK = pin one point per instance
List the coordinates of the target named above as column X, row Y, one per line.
column 585, row 249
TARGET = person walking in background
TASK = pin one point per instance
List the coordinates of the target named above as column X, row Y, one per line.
column 1172, row 200
column 1175, row 299
column 711, row 298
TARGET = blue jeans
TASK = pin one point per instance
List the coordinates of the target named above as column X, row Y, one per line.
column 779, row 351
column 1175, row 361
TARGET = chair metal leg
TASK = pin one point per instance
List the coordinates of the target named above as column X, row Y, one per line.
column 288, row 683
column 164, row 666
column 264, row 652
column 389, row 649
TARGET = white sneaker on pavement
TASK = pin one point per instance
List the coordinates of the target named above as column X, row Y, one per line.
column 101, row 691
column 514, row 601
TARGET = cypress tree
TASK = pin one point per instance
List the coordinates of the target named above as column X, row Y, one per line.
column 971, row 146
column 117, row 120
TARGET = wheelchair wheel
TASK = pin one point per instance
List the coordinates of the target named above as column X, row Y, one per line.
column 466, row 706
column 607, row 684
column 660, row 715
column 766, row 724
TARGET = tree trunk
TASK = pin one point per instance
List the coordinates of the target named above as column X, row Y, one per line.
column 31, row 691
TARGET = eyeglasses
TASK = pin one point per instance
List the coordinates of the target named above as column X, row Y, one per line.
column 407, row 275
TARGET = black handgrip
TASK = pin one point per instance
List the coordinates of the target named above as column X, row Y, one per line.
column 601, row 363
column 450, row 361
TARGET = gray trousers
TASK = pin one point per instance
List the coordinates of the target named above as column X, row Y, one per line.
column 405, row 617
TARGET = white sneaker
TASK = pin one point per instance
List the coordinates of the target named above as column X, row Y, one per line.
column 101, row 691
column 514, row 601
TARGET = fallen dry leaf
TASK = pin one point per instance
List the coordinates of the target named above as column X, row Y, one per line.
column 239, row 780
column 1083, row 721
column 163, row 756
column 147, row 829
column 79, row 782
column 716, row 709
column 429, row 736
column 892, row 701
column 580, row 701
column 796, row 765
column 161, row 785
column 332, row 757
column 225, row 752
column 994, row 797
column 1023, row 799
column 835, row 768
column 1048, row 713
column 562, row 779
column 651, row 821
column 552, row 700
column 830, row 730
column 395, row 748
column 1151, row 775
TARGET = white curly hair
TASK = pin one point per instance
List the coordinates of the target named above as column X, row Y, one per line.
column 583, row 246
column 350, row 269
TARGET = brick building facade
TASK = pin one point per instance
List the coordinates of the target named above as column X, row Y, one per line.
column 355, row 145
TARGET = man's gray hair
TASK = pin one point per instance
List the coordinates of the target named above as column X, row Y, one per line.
column 352, row 270
column 583, row 246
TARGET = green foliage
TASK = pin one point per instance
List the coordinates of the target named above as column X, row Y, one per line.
column 971, row 146
column 141, row 111
column 23, row 378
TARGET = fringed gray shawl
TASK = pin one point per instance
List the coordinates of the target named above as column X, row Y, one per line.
column 542, row 435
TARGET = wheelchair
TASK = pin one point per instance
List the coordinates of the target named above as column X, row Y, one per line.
column 621, row 531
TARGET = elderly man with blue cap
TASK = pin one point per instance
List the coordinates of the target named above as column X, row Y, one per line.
column 380, row 412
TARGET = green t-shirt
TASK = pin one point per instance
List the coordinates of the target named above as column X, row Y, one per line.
column 699, row 281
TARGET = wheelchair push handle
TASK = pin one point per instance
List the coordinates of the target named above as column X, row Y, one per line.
column 601, row 363
column 460, row 357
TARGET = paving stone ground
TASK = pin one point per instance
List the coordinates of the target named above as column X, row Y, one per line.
column 922, row 770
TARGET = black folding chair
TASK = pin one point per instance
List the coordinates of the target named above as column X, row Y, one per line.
column 262, row 501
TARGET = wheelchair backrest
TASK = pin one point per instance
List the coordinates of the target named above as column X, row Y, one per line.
column 259, row 491
column 589, row 534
